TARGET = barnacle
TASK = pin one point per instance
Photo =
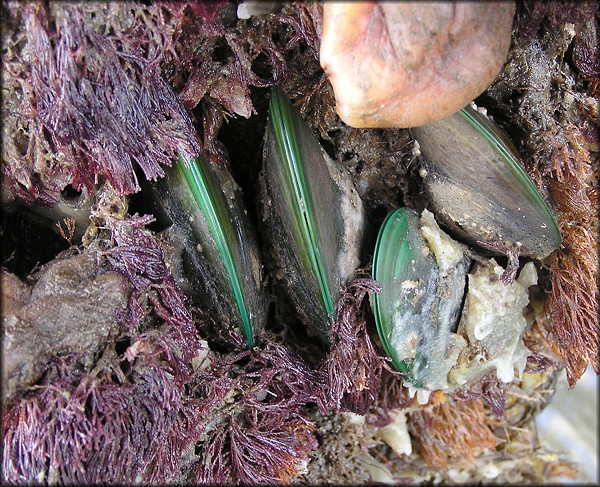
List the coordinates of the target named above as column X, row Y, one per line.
column 435, row 340
column 419, row 305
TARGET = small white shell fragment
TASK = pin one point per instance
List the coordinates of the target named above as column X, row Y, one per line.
column 248, row 8
column 448, row 253
column 416, row 150
column 396, row 434
column 422, row 394
column 493, row 317
column 378, row 471
column 240, row 102
column 301, row 465
column 261, row 395
column 354, row 418
column 201, row 361
column 489, row 471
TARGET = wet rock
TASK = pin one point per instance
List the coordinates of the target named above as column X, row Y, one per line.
column 70, row 309
column 405, row 64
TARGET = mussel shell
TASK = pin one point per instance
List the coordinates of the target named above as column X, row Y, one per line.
column 477, row 186
column 219, row 251
column 313, row 214
column 418, row 309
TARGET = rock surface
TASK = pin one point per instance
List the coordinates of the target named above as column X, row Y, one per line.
column 70, row 309
column 405, row 64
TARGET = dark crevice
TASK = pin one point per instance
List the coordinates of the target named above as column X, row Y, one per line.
column 28, row 240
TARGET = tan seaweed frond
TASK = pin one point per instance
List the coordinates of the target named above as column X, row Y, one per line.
column 573, row 301
column 70, row 229
column 451, row 430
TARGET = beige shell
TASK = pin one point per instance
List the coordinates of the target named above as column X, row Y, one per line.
column 405, row 64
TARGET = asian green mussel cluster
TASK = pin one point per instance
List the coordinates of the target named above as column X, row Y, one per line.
column 316, row 251
column 444, row 318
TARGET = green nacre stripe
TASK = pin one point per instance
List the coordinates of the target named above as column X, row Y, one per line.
column 207, row 195
column 389, row 260
column 505, row 148
column 282, row 120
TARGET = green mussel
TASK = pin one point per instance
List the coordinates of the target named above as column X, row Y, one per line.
column 313, row 214
column 444, row 322
column 219, row 258
column 423, row 277
column 478, row 188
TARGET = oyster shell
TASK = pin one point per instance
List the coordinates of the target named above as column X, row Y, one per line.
column 313, row 214
column 439, row 343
